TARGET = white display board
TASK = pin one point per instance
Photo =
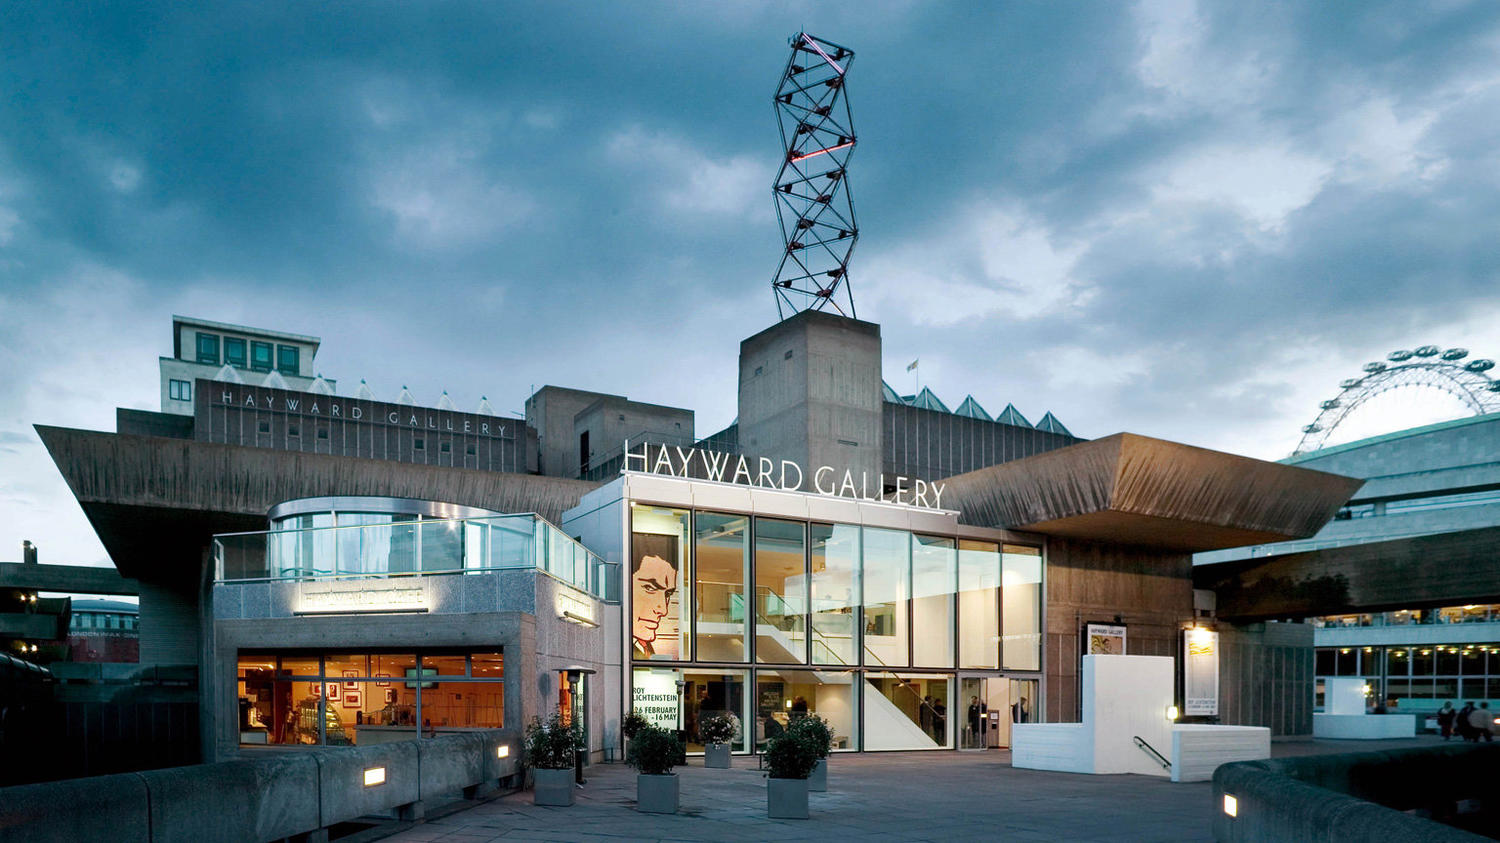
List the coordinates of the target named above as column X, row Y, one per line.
column 1200, row 672
column 655, row 698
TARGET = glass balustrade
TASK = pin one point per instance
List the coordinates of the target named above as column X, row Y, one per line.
column 408, row 547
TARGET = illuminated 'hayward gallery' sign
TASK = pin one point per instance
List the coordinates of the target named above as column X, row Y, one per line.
column 784, row 476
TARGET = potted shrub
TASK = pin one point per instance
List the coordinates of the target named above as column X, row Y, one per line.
column 717, row 731
column 551, row 751
column 790, row 758
column 630, row 725
column 653, row 753
column 816, row 730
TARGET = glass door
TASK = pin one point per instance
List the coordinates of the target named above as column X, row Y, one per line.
column 981, row 703
column 1013, row 701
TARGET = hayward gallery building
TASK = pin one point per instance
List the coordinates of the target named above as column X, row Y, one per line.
column 341, row 570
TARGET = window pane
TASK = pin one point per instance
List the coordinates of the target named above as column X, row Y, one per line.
column 978, row 604
column 234, row 352
column 300, row 666
column 260, row 356
column 1021, row 611
column 208, row 348
column 378, row 711
column 715, row 692
column 487, row 665
column 462, row 705
column 337, row 666
column 835, row 593
column 887, row 588
column 443, row 665
column 934, row 572
column 287, row 359
column 658, row 568
column 780, row 592
column 1421, row 662
column 782, row 696
column 1447, row 661
column 907, row 711
column 442, row 546
column 722, row 557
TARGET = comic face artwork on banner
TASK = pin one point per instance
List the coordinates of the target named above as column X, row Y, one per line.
column 654, row 601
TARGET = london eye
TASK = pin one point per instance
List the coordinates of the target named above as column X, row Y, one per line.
column 1427, row 367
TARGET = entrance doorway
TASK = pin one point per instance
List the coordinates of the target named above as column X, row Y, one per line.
column 990, row 705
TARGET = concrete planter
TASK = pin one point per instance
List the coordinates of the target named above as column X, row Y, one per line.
column 716, row 756
column 818, row 781
column 657, row 794
column 553, row 787
column 786, row 799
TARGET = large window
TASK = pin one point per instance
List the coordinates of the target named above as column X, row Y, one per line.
column 978, row 603
column 1021, row 612
column 367, row 698
column 934, row 571
column 287, row 359
column 208, row 349
column 780, row 591
column 705, row 692
column 911, row 710
column 180, row 390
column 234, row 352
column 260, row 356
column 659, row 574
column 835, row 593
column 722, row 557
column 784, row 696
column 887, row 588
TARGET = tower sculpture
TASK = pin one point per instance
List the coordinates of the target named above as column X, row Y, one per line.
column 811, row 190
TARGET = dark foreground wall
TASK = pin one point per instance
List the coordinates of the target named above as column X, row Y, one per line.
column 1266, row 677
column 271, row 796
column 1362, row 796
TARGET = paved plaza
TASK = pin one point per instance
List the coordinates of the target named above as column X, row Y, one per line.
column 876, row 796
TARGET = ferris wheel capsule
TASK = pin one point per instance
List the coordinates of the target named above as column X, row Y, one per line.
column 1455, row 354
column 1428, row 351
column 1349, row 383
column 1375, row 367
column 1480, row 365
column 1398, row 356
column 1329, row 404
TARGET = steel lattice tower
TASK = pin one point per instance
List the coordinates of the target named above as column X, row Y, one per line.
column 813, row 202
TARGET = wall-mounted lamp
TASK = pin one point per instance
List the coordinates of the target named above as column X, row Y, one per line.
column 374, row 776
column 502, row 751
column 1231, row 805
column 578, row 619
column 1172, row 713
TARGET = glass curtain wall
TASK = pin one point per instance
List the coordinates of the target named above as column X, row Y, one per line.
column 659, row 572
column 934, row 579
column 780, row 591
column 1021, row 612
column 721, row 546
column 835, row 582
column 978, row 603
column 887, row 588
column 864, row 626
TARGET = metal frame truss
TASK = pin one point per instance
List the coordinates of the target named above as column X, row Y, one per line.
column 813, row 203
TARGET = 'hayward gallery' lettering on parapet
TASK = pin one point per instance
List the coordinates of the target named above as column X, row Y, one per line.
column 787, row 476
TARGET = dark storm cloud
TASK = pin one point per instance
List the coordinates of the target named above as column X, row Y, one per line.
column 1182, row 220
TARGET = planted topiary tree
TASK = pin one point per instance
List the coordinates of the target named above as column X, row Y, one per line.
column 551, row 750
column 633, row 723
column 717, row 731
column 818, row 733
column 790, row 759
column 653, row 753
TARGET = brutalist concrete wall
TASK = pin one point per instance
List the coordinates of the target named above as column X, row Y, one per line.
column 810, row 391
column 1266, row 677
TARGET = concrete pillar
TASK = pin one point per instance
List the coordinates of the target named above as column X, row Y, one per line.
column 810, row 391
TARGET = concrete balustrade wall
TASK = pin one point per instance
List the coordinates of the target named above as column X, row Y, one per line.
column 1361, row 796
column 268, row 796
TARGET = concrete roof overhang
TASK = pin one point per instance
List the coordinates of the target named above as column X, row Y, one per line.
column 1136, row 490
column 156, row 502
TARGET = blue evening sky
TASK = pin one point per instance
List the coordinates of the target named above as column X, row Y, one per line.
column 1182, row 220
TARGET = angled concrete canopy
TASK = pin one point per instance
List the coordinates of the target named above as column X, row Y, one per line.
column 155, row 501
column 1138, row 490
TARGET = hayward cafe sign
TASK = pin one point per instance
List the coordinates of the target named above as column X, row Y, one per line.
column 784, row 476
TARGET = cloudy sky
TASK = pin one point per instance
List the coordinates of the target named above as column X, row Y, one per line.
column 1183, row 220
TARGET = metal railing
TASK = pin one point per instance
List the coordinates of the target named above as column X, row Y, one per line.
column 407, row 548
column 1151, row 751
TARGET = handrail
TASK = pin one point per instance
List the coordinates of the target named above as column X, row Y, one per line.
column 1151, row 750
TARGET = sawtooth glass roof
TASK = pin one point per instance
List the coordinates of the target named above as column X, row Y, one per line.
column 970, row 408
